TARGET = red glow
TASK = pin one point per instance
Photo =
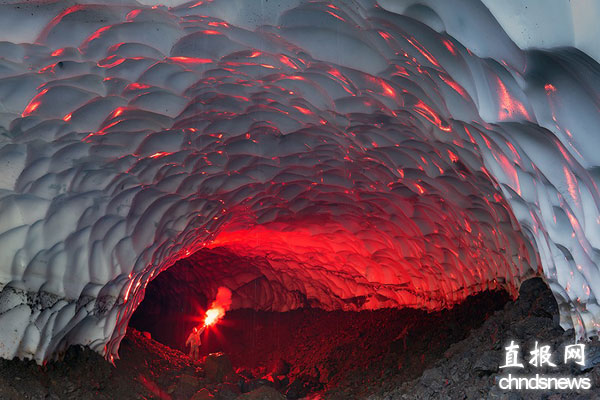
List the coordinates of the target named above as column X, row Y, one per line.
column 453, row 157
column 213, row 315
column 510, row 107
column 115, row 47
column 153, row 388
column 468, row 226
column 118, row 111
column 137, row 86
column 457, row 88
column 47, row 68
column 128, row 290
column 338, row 75
column 450, row 46
column 423, row 51
column 133, row 14
column 309, row 240
column 469, row 135
column 514, row 151
column 160, row 154
column 549, row 88
column 218, row 307
column 571, row 183
column 379, row 257
column 385, row 35
column 387, row 88
column 400, row 71
column 303, row 110
column 111, row 61
column 96, row 34
column 31, row 107
column 431, row 116
column 34, row 103
column 69, row 11
column 510, row 170
column 294, row 77
column 285, row 60
column 221, row 24
column 59, row 17
column 335, row 15
column 190, row 60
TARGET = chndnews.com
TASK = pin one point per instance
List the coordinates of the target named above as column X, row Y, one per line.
column 543, row 382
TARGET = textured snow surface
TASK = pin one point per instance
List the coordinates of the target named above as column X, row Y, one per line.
column 353, row 156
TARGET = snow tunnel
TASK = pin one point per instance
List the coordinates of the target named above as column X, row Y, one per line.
column 339, row 155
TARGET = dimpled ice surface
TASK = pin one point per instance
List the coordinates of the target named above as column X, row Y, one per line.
column 366, row 155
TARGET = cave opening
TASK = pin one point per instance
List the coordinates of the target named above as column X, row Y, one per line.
column 305, row 349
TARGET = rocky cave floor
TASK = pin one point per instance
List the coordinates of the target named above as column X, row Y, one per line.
column 313, row 354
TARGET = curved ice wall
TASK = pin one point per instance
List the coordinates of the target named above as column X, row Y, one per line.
column 353, row 155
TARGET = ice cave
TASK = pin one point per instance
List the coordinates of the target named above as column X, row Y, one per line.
column 327, row 161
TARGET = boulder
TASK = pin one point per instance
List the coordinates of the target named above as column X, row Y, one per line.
column 254, row 384
column 228, row 391
column 217, row 367
column 282, row 368
column 303, row 385
column 186, row 386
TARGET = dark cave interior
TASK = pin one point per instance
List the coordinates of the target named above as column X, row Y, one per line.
column 319, row 350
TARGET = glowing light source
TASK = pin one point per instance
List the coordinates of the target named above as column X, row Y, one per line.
column 549, row 88
column 213, row 315
column 218, row 307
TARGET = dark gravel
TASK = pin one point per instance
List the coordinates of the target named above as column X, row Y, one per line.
column 470, row 368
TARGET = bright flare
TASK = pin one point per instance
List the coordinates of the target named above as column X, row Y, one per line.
column 218, row 307
column 213, row 315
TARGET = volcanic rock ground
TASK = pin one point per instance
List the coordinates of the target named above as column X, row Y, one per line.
column 385, row 354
